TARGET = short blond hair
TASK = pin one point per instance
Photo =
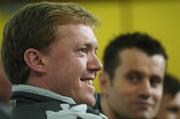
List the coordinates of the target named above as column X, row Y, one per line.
column 34, row 26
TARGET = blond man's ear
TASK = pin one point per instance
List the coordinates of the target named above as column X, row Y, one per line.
column 34, row 60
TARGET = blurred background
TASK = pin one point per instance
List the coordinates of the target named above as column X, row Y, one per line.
column 159, row 18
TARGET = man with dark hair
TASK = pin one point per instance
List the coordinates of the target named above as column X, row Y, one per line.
column 49, row 54
column 170, row 104
column 132, row 79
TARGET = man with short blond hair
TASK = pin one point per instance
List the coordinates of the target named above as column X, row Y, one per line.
column 49, row 54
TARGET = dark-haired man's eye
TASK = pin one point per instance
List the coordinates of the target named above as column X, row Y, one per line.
column 155, row 81
column 133, row 77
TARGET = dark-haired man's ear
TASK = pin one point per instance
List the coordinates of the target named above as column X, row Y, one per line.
column 104, row 83
column 33, row 58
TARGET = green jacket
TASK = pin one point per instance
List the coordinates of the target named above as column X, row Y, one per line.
column 31, row 102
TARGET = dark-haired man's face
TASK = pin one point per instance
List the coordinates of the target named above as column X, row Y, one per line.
column 135, row 91
column 170, row 107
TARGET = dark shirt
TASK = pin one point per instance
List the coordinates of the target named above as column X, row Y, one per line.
column 44, row 104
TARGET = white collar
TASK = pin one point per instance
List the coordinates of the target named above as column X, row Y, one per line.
column 41, row 91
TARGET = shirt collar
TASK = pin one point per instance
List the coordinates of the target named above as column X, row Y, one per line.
column 41, row 91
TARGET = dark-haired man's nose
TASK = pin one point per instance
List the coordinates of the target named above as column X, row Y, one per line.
column 146, row 90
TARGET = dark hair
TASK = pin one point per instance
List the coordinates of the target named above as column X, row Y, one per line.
column 34, row 26
column 141, row 41
column 171, row 84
